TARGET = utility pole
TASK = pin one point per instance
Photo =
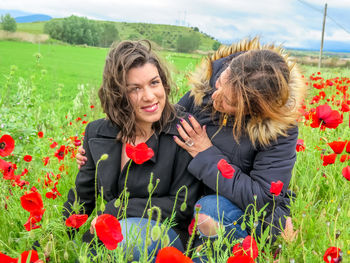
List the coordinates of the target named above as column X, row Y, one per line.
column 321, row 49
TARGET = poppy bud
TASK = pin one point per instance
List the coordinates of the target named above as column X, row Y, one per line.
column 65, row 255
column 104, row 157
column 102, row 207
column 243, row 226
column 150, row 187
column 155, row 233
column 148, row 242
column 117, row 203
column 166, row 240
column 183, row 207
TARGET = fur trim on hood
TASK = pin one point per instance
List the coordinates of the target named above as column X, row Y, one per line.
column 267, row 130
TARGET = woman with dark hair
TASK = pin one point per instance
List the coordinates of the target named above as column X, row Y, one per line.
column 244, row 105
column 135, row 97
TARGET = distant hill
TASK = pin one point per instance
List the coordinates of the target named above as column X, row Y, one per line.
column 33, row 18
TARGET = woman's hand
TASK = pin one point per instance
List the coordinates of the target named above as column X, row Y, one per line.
column 195, row 139
column 92, row 226
column 81, row 159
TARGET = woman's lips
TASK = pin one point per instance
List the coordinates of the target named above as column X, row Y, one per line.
column 151, row 108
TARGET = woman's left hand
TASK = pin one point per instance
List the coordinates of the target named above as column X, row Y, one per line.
column 195, row 140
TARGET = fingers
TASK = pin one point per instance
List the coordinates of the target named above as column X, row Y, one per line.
column 195, row 124
column 180, row 143
column 81, row 150
column 187, row 128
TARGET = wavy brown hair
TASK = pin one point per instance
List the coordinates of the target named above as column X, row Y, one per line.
column 259, row 84
column 113, row 91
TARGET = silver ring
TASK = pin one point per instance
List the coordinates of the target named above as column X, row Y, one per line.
column 189, row 143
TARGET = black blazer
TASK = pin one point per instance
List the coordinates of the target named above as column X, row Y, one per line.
column 169, row 165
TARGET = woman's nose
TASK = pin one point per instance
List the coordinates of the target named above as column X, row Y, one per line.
column 148, row 94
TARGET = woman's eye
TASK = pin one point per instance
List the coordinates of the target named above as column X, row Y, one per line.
column 155, row 82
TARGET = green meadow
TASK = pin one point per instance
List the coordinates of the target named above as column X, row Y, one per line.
column 50, row 88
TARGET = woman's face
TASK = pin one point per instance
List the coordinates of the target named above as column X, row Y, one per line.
column 223, row 99
column 146, row 93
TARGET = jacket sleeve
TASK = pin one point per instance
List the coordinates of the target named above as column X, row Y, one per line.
column 84, row 184
column 270, row 164
column 180, row 177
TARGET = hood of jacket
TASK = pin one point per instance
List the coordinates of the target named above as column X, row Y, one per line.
column 203, row 79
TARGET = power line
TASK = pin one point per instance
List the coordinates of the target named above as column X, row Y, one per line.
column 321, row 11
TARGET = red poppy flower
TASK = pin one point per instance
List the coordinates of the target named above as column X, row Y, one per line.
column 92, row 106
column 347, row 149
column 237, row 250
column 331, row 255
column 109, row 231
column 225, row 169
column 300, row 145
column 27, row 158
column 7, row 259
column 33, row 256
column 46, row 160
column 326, row 117
column 60, row 153
column 344, row 158
column 139, row 153
column 8, row 169
column 328, row 159
column 337, row 146
column 240, row 259
column 76, row 221
column 40, row 134
column 32, row 202
column 77, row 142
column 345, row 107
column 346, row 172
column 173, row 255
column 276, row 187
column 7, row 144
column 53, row 145
column 249, row 244
column 190, row 226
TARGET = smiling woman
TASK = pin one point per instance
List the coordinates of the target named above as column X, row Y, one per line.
column 134, row 96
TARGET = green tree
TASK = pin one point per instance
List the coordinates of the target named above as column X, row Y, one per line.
column 216, row 45
column 109, row 34
column 8, row 23
column 188, row 43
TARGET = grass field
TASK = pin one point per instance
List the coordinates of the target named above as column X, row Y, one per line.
column 53, row 93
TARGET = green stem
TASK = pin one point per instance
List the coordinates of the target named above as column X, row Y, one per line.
column 176, row 196
column 189, row 244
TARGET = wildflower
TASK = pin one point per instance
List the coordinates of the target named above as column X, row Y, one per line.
column 92, row 106
column 32, row 202
column 346, row 172
column 172, row 254
column 326, row 117
column 331, row 255
column 276, row 187
column 7, row 144
column 8, row 169
column 337, row 146
column 76, row 221
column 240, row 259
column 347, row 149
column 191, row 226
column 250, row 247
column 225, row 169
column 33, row 256
column 139, row 153
column 27, row 158
column 53, row 145
column 46, row 160
column 109, row 231
column 77, row 142
column 300, row 145
column 60, row 153
column 328, row 159
column 40, row 134
column 7, row 259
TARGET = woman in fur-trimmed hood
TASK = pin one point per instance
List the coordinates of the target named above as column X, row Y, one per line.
column 244, row 102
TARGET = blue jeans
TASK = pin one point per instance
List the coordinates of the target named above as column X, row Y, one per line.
column 227, row 213
column 136, row 228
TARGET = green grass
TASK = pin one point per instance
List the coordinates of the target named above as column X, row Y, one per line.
column 33, row 28
column 62, row 68
column 33, row 103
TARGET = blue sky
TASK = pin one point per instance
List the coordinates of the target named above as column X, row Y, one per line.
column 292, row 23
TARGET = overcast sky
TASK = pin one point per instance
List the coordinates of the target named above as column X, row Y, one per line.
column 293, row 23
